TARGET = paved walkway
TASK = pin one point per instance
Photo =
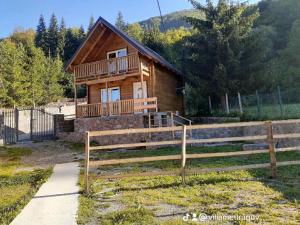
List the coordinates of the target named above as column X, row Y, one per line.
column 56, row 202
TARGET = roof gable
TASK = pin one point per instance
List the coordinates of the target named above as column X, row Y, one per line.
column 98, row 31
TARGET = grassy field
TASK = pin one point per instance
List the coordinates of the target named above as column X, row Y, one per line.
column 17, row 184
column 266, row 112
column 164, row 200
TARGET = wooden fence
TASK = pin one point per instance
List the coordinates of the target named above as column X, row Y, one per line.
column 270, row 138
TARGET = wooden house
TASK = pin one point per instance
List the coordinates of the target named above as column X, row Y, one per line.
column 122, row 76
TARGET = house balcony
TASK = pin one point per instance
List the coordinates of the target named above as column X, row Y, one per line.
column 111, row 68
column 130, row 106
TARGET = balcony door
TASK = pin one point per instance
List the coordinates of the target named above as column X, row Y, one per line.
column 117, row 61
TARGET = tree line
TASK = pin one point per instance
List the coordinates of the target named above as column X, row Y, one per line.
column 32, row 63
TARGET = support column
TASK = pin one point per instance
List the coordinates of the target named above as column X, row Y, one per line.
column 107, row 103
column 75, row 95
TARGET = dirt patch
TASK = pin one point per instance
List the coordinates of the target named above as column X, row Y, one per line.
column 48, row 153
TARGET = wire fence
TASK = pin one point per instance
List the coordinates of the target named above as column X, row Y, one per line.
column 277, row 104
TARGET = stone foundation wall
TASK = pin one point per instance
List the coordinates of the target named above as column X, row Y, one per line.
column 81, row 125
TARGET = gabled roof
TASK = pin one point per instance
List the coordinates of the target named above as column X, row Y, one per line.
column 140, row 47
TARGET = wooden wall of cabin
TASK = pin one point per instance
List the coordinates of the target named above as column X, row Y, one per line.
column 126, row 89
column 166, row 84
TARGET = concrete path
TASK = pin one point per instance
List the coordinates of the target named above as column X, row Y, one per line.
column 56, row 202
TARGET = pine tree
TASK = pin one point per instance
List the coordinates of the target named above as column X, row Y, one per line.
column 41, row 38
column 91, row 23
column 53, row 36
column 120, row 23
column 217, row 47
column 54, row 75
column 62, row 39
column 81, row 34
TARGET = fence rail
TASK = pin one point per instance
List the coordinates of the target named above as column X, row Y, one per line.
column 269, row 138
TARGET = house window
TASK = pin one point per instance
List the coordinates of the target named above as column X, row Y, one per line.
column 117, row 61
column 111, row 94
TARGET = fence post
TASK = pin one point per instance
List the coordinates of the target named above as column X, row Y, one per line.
column 209, row 105
column 270, row 140
column 172, row 125
column 17, row 124
column 31, row 123
column 280, row 101
column 183, row 153
column 227, row 104
column 87, row 161
column 240, row 103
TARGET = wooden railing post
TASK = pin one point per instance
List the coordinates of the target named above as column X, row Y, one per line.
column 270, row 140
column 183, row 153
column 87, row 162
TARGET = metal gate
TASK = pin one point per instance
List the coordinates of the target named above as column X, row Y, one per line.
column 27, row 125
column 9, row 122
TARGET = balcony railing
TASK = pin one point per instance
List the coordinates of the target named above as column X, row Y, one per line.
column 121, row 107
column 107, row 67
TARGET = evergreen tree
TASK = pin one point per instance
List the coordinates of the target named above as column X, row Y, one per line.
column 120, row 23
column 153, row 39
column 62, row 38
column 41, row 38
column 54, row 75
column 91, row 23
column 12, row 63
column 81, row 34
column 135, row 30
column 215, row 50
column 53, row 36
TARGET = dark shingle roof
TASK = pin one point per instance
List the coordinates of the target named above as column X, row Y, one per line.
column 140, row 47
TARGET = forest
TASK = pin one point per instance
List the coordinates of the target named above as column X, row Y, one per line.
column 220, row 48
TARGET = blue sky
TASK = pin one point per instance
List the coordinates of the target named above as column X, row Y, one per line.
column 25, row 13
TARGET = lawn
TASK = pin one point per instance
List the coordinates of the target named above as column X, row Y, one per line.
column 18, row 183
column 165, row 200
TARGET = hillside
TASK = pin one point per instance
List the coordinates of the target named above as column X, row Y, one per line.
column 172, row 20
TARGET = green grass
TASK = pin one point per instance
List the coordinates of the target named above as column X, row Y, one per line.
column 249, row 192
column 16, row 188
column 267, row 112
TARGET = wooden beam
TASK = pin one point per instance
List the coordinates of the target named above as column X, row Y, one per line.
column 135, row 145
column 133, row 131
column 93, row 45
column 153, row 73
column 87, row 162
column 270, row 140
column 75, row 95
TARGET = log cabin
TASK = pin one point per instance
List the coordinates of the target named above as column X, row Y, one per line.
column 122, row 76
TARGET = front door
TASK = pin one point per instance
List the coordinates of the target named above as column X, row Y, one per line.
column 111, row 96
column 138, row 91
